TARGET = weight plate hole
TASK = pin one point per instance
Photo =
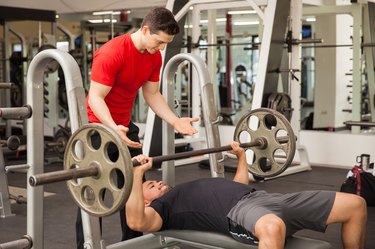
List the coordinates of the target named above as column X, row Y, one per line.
column 117, row 179
column 270, row 121
column 88, row 196
column 244, row 137
column 264, row 164
column 107, row 199
column 111, row 151
column 250, row 154
column 253, row 123
column 280, row 156
column 78, row 150
column 94, row 139
column 281, row 133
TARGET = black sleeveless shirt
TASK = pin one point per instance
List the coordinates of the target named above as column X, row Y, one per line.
column 200, row 205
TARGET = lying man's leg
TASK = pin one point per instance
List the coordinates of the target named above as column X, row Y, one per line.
column 270, row 231
column 351, row 211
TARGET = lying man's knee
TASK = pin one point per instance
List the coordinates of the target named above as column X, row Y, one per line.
column 270, row 225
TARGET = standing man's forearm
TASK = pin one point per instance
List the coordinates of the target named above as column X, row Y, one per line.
column 161, row 108
column 101, row 111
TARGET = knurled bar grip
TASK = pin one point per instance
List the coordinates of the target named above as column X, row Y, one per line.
column 64, row 175
column 18, row 113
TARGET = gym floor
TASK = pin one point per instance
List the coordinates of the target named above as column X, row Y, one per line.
column 60, row 210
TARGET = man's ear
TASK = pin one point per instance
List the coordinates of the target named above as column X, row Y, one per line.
column 144, row 29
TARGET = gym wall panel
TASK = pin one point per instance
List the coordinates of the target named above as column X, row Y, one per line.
column 336, row 149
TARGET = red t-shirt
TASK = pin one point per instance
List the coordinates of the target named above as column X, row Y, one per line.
column 120, row 65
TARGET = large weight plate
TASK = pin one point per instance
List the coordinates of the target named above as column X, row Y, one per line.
column 88, row 146
column 271, row 125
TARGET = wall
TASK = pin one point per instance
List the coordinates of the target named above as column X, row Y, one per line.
column 337, row 149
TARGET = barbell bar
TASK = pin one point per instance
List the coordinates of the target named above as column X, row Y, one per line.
column 89, row 171
column 94, row 171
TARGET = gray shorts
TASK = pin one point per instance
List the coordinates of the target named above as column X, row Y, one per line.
column 301, row 210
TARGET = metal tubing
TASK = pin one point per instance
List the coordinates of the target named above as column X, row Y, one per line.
column 35, row 130
column 258, row 44
column 24, row 243
column 19, row 113
column 149, row 241
column 259, row 142
column 63, row 175
column 13, row 168
column 6, row 85
column 360, row 123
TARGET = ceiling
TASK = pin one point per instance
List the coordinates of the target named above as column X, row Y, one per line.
column 78, row 6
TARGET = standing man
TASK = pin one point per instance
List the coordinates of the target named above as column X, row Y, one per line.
column 120, row 67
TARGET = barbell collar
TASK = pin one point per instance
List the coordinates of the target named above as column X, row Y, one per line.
column 63, row 175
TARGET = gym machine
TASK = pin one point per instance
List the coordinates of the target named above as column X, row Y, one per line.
column 11, row 14
column 11, row 143
column 272, row 46
column 34, row 237
column 35, row 130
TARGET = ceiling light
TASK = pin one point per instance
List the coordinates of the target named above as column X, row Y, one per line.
column 95, row 21
column 310, row 19
column 107, row 20
column 217, row 20
column 110, row 12
column 241, row 12
column 246, row 23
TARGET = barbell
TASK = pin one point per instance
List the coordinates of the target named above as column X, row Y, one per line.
column 90, row 172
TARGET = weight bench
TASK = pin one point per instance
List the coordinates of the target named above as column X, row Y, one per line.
column 207, row 240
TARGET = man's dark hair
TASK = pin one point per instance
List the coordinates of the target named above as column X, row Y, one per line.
column 161, row 19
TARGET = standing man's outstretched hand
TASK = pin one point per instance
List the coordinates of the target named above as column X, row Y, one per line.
column 183, row 126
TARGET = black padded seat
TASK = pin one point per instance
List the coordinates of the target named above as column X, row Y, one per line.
column 207, row 240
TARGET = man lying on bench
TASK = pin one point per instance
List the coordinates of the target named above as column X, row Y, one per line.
column 234, row 208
